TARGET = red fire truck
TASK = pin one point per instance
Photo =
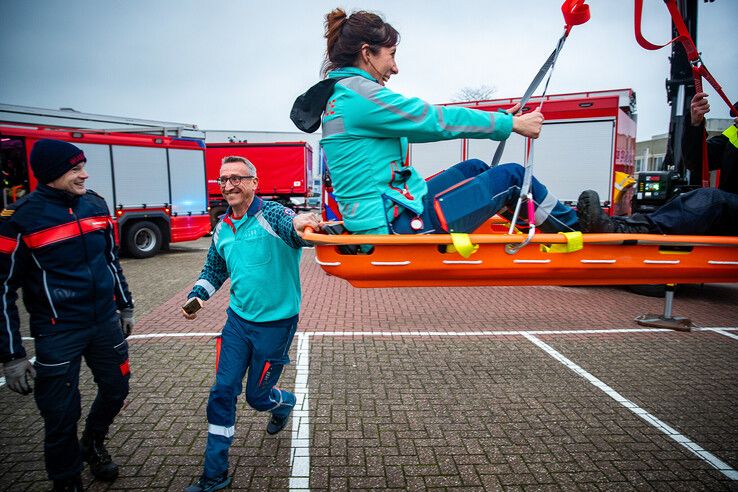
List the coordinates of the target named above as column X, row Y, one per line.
column 587, row 138
column 284, row 169
column 154, row 185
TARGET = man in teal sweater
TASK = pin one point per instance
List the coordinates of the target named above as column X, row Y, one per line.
column 256, row 244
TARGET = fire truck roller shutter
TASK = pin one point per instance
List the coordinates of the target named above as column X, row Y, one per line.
column 187, row 172
column 570, row 156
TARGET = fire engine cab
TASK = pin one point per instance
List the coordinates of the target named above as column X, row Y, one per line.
column 154, row 185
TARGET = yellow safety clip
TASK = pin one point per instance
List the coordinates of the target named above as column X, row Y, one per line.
column 574, row 242
column 462, row 245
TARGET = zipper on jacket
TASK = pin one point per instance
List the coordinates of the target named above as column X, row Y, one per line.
column 87, row 263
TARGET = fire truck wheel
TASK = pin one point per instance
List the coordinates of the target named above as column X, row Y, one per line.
column 143, row 239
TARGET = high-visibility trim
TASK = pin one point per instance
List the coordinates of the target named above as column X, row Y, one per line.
column 544, row 209
column 732, row 134
column 46, row 288
column 462, row 244
column 574, row 242
column 7, row 245
column 220, row 430
column 209, row 288
column 66, row 231
column 6, row 291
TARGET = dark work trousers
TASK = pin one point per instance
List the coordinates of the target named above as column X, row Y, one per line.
column 471, row 192
column 57, row 365
column 705, row 211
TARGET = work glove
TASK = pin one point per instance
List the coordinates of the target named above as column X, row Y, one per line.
column 18, row 374
column 127, row 321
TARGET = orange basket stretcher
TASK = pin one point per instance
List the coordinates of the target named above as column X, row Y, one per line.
column 603, row 259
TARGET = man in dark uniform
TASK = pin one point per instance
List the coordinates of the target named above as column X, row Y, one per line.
column 722, row 150
column 57, row 244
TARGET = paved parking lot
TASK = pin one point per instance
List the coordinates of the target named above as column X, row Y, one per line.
column 428, row 389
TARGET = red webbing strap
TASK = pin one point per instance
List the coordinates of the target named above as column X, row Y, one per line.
column 699, row 69
column 705, row 165
column 576, row 12
column 676, row 17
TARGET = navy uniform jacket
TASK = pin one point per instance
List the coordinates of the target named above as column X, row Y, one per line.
column 61, row 250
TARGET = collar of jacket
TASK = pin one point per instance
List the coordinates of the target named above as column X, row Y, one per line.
column 350, row 72
column 57, row 196
column 256, row 205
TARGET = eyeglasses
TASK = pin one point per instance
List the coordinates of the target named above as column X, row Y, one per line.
column 235, row 180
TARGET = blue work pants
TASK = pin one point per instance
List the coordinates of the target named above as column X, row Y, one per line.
column 705, row 211
column 262, row 350
column 471, row 192
column 58, row 360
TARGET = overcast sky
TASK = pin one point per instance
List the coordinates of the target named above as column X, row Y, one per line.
column 238, row 65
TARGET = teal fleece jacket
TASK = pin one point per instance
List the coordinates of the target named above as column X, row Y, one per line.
column 366, row 131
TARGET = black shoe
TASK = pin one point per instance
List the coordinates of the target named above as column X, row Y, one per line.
column 337, row 230
column 68, row 485
column 94, row 453
column 205, row 484
column 593, row 219
column 276, row 424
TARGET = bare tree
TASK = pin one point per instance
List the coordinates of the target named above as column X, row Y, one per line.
column 478, row 93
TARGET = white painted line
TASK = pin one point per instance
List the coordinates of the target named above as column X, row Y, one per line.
column 599, row 261
column 716, row 262
column 543, row 262
column 462, row 262
column 681, row 439
column 485, row 333
column 661, row 262
column 300, row 454
column 172, row 335
column 722, row 332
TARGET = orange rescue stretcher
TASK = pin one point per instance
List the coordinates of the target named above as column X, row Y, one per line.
column 603, row 259
column 548, row 259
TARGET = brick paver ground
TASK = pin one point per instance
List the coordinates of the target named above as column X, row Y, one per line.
column 425, row 413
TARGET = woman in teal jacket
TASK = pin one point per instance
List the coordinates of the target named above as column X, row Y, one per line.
column 366, row 131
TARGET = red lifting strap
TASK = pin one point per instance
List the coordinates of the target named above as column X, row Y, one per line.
column 699, row 69
column 575, row 12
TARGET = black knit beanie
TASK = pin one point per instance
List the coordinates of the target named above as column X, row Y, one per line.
column 52, row 158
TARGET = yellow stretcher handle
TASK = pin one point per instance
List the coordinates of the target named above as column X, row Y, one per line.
column 574, row 242
column 462, row 245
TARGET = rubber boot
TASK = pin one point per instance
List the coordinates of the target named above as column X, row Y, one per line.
column 96, row 455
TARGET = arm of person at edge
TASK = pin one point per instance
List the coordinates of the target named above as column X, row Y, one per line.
column 693, row 134
column 388, row 114
column 123, row 297
column 212, row 277
column 13, row 257
column 288, row 226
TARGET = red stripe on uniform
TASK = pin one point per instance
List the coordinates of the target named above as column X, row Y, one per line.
column 264, row 372
column 7, row 245
column 125, row 368
column 66, row 231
